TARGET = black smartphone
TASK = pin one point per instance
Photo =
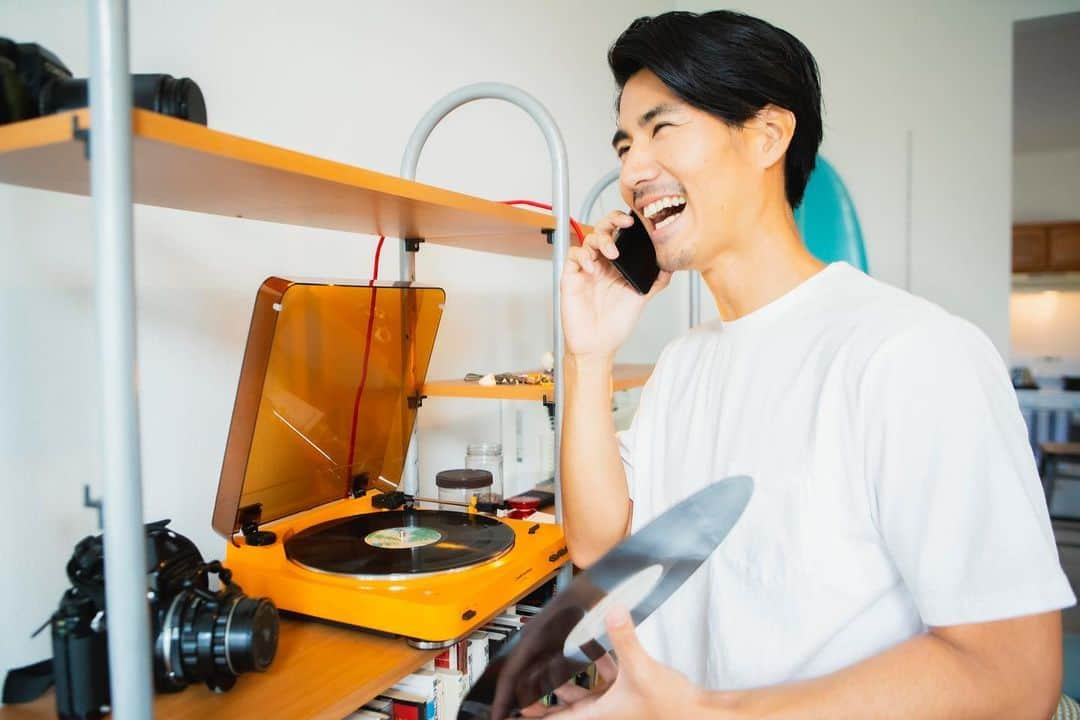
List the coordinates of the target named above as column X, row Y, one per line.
column 637, row 256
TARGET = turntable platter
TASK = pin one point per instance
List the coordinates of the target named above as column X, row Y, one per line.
column 400, row 542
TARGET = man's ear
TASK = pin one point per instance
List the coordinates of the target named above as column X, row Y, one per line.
column 775, row 127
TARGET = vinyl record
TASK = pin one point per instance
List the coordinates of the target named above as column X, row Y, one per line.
column 639, row 573
column 400, row 542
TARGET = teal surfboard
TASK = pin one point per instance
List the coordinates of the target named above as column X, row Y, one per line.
column 828, row 221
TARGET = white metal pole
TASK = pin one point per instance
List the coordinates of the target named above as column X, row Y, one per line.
column 127, row 618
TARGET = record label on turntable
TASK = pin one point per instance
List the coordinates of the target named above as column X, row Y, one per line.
column 403, row 538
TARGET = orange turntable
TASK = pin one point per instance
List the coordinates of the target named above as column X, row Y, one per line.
column 327, row 398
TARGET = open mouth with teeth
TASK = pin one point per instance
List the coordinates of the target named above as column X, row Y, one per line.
column 663, row 212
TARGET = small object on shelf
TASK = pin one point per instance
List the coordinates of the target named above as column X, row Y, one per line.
column 522, row 506
column 542, row 377
column 547, row 361
column 547, row 446
column 542, row 498
column 459, row 487
column 623, row 378
column 487, row 456
column 1022, row 379
column 36, row 83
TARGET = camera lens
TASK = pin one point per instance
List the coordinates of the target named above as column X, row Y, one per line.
column 215, row 639
column 251, row 635
column 178, row 97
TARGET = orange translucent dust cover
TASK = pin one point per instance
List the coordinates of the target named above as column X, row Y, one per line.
column 327, row 395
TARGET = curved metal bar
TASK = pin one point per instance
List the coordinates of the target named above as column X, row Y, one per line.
column 560, row 202
column 594, row 194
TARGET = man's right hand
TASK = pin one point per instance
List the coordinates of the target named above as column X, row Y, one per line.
column 599, row 308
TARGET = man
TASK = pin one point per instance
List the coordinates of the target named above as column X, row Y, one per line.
column 896, row 559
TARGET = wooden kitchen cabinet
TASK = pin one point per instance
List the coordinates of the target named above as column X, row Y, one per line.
column 1046, row 247
column 1064, row 247
column 1030, row 248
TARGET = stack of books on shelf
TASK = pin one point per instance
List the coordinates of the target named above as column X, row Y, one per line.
column 435, row 691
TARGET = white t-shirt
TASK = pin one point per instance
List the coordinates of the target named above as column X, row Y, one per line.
column 894, row 485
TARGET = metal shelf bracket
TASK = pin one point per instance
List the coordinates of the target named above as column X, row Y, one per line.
column 560, row 202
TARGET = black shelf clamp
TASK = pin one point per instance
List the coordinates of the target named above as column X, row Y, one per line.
column 81, row 134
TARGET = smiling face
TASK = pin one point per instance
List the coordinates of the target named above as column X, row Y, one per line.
column 696, row 182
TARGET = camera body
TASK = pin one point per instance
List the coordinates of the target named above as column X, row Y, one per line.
column 80, row 657
column 199, row 634
column 34, row 82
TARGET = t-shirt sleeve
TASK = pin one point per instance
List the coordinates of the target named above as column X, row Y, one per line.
column 953, row 485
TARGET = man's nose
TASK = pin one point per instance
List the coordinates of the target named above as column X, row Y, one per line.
column 639, row 166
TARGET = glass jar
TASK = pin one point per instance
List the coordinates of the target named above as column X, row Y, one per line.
column 459, row 486
column 487, row 456
column 547, row 447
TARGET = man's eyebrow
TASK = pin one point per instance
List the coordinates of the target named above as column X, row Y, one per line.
column 651, row 115
column 644, row 120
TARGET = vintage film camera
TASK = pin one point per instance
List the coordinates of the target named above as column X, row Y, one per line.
column 199, row 634
column 33, row 82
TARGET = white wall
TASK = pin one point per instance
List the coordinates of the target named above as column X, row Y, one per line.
column 343, row 80
column 940, row 72
column 1046, row 185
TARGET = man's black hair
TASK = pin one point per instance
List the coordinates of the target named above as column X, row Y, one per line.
column 730, row 65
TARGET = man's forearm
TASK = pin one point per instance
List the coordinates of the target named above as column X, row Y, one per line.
column 925, row 678
column 596, row 506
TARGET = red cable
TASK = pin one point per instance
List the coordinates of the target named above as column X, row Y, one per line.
column 378, row 252
column 371, row 323
column 545, row 206
column 367, row 354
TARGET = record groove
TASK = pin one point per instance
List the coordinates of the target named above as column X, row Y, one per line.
column 400, row 542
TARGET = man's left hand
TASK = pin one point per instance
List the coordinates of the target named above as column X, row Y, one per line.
column 643, row 688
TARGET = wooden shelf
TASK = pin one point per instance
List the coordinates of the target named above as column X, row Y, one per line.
column 187, row 166
column 625, row 377
column 320, row 671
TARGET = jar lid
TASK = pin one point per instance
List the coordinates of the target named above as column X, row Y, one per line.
column 458, row 479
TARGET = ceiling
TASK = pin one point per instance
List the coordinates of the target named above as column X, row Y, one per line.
column 1046, row 83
